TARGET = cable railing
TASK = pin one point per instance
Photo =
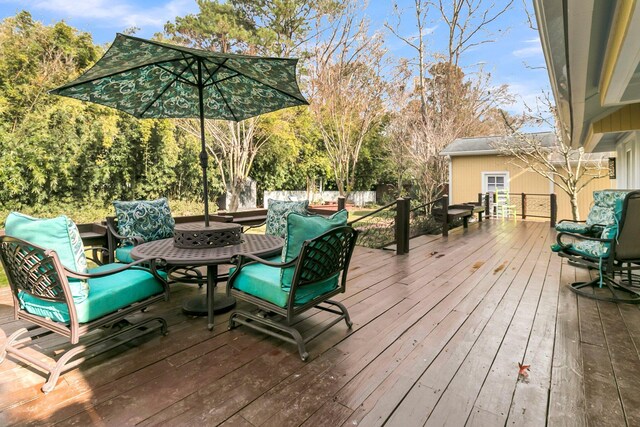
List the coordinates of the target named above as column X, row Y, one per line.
column 398, row 222
column 377, row 229
column 534, row 205
column 422, row 221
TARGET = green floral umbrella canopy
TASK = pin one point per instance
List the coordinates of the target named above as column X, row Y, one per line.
column 149, row 79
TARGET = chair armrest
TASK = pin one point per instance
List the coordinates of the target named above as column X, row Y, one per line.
column 570, row 220
column 249, row 227
column 579, row 237
column 151, row 262
column 136, row 240
column 94, row 254
column 240, row 261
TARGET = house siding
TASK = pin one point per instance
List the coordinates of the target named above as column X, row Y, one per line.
column 467, row 182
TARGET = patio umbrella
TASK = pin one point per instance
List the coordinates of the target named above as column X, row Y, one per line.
column 149, row 79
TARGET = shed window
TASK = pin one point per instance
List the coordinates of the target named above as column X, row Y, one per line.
column 494, row 181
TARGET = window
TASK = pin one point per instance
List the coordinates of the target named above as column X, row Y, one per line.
column 494, row 180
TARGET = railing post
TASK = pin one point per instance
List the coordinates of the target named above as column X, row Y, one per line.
column 524, row 206
column 402, row 225
column 342, row 202
column 554, row 209
column 480, row 199
column 487, row 206
column 445, row 215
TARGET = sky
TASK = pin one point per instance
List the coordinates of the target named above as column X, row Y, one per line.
column 515, row 57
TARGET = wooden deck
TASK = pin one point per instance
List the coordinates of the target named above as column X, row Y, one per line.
column 436, row 340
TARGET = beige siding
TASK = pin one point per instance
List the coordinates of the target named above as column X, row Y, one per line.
column 625, row 119
column 585, row 198
column 467, row 182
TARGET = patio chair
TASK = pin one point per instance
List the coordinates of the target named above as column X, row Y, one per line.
column 308, row 279
column 616, row 251
column 277, row 211
column 504, row 207
column 140, row 221
column 54, row 291
column 600, row 215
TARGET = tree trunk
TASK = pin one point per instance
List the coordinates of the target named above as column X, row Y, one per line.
column 574, row 207
column 234, row 200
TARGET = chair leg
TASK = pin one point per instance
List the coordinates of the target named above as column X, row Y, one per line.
column 345, row 313
column 618, row 292
column 13, row 338
column 69, row 358
column 255, row 322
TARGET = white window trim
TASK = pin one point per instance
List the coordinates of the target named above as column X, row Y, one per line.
column 507, row 179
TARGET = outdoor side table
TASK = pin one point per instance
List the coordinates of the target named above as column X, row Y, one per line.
column 200, row 305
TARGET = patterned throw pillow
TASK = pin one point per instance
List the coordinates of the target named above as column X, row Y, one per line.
column 59, row 234
column 276, row 224
column 149, row 219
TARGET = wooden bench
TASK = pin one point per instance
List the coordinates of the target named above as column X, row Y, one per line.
column 475, row 209
column 455, row 213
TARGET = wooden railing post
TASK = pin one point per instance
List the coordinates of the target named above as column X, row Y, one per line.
column 524, row 206
column 402, row 225
column 445, row 215
column 487, row 206
column 480, row 201
column 554, row 209
column 342, row 202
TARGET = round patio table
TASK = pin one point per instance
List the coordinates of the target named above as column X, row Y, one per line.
column 201, row 305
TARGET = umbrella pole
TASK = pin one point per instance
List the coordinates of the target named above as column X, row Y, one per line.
column 204, row 157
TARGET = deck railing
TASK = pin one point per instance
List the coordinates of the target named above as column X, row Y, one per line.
column 534, row 205
column 377, row 229
column 396, row 223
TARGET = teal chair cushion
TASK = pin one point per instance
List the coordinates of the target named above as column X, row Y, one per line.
column 123, row 254
column 590, row 248
column 108, row 294
column 594, row 249
column 263, row 281
column 608, row 198
column 149, row 219
column 59, row 234
column 276, row 223
column 573, row 227
column 301, row 228
column 600, row 215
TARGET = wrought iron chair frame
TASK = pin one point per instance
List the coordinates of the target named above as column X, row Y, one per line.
column 304, row 275
column 39, row 272
column 622, row 291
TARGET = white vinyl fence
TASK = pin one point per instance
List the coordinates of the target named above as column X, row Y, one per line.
column 358, row 198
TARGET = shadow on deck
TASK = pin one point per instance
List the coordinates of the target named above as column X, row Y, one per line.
column 437, row 337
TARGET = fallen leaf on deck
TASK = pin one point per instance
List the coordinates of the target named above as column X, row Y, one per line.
column 523, row 371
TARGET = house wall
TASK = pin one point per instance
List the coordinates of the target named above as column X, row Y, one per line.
column 467, row 175
column 628, row 162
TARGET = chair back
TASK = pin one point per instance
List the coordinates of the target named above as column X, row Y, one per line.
column 34, row 270
column 502, row 196
column 325, row 257
column 628, row 246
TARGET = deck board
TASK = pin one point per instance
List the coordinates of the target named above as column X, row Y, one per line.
column 436, row 340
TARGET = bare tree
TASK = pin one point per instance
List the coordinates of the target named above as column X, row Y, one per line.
column 346, row 85
column 467, row 23
column 569, row 169
column 234, row 148
column 451, row 104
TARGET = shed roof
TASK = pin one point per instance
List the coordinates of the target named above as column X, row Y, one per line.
column 485, row 145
